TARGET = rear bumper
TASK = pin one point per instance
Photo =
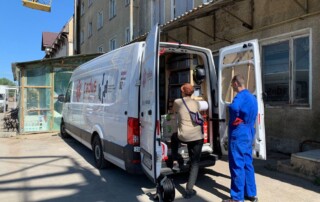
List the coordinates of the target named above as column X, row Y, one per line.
column 206, row 160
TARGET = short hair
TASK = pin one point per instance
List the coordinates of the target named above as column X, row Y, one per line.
column 187, row 89
column 239, row 80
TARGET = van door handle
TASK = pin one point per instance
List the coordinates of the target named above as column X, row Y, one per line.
column 141, row 113
column 150, row 112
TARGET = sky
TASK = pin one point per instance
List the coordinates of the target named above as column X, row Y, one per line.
column 21, row 31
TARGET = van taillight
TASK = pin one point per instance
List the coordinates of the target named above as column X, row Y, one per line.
column 205, row 132
column 133, row 134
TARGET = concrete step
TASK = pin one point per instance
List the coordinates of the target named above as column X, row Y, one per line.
column 302, row 164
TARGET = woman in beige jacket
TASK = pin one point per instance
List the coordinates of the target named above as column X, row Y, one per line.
column 188, row 133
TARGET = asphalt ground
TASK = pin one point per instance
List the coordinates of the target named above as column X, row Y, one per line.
column 45, row 167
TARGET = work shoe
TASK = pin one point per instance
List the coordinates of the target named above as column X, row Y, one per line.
column 230, row 200
column 251, row 198
column 176, row 166
column 190, row 193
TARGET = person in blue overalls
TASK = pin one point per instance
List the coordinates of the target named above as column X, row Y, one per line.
column 243, row 112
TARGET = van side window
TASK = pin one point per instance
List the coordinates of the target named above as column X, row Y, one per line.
column 68, row 93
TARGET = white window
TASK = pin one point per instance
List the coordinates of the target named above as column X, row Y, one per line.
column 127, row 35
column 126, row 2
column 89, row 29
column 89, row 2
column 112, row 9
column 81, row 36
column 112, row 44
column 99, row 20
column 286, row 70
column 100, row 49
column 82, row 8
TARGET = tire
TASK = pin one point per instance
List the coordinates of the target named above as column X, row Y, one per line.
column 63, row 131
column 167, row 190
column 98, row 156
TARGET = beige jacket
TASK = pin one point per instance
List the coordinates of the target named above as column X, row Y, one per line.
column 187, row 131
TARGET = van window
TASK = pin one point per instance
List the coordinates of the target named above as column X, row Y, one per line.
column 244, row 66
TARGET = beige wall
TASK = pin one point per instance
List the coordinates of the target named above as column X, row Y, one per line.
column 286, row 126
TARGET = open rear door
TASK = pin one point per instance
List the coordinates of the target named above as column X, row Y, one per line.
column 149, row 108
column 244, row 59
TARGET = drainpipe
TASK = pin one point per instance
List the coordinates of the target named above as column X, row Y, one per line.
column 131, row 20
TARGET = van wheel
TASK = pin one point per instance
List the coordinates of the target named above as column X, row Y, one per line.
column 99, row 160
column 63, row 131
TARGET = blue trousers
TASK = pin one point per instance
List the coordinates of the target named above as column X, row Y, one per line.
column 240, row 165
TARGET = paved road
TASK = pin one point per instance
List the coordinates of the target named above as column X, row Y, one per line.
column 44, row 167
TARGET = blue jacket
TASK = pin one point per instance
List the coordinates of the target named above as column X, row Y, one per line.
column 243, row 112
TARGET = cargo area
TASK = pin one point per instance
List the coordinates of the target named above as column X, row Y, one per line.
column 176, row 69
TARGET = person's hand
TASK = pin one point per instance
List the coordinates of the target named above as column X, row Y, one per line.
column 237, row 121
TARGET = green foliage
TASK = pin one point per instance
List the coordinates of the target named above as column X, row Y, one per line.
column 7, row 82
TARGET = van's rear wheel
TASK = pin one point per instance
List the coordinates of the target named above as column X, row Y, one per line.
column 99, row 160
column 63, row 131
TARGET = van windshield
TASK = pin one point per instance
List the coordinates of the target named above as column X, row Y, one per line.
column 1, row 97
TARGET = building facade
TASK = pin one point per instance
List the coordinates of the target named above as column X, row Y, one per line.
column 288, row 32
column 60, row 44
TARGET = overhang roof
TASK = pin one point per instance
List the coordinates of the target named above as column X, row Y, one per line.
column 47, row 39
column 201, row 11
column 67, row 61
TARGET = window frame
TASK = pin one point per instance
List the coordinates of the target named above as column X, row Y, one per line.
column 90, row 2
column 90, row 29
column 112, row 9
column 82, row 8
column 126, row 3
column 100, row 49
column 112, row 44
column 100, row 20
column 127, row 35
column 290, row 37
column 81, row 37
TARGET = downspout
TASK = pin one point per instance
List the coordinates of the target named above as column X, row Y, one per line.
column 131, row 20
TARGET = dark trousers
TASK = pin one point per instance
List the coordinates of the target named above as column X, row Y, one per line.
column 194, row 151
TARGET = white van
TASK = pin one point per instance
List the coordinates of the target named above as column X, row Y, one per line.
column 3, row 98
column 118, row 104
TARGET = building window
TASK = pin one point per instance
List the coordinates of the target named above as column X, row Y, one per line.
column 127, row 35
column 112, row 9
column 286, row 71
column 90, row 3
column 112, row 44
column 179, row 7
column 100, row 20
column 126, row 2
column 82, row 8
column 100, row 49
column 89, row 29
column 82, row 37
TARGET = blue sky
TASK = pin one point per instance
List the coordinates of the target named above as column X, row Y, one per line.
column 21, row 31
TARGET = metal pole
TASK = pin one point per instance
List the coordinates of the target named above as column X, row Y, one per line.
column 131, row 20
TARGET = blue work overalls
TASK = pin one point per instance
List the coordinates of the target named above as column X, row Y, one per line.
column 243, row 112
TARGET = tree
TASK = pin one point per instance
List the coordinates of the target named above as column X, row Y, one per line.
column 6, row 82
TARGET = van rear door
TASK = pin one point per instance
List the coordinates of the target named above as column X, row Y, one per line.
column 150, row 145
column 244, row 59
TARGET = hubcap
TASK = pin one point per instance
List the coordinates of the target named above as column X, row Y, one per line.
column 97, row 152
